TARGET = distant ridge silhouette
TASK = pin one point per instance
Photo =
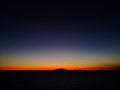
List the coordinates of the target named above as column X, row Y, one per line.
column 61, row 69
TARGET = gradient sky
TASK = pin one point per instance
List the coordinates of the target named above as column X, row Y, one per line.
column 54, row 35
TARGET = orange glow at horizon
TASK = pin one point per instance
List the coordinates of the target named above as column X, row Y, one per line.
column 52, row 61
column 66, row 68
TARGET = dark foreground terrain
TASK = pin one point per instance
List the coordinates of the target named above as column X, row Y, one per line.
column 59, row 80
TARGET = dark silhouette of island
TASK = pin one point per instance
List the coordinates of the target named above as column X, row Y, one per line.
column 60, row 69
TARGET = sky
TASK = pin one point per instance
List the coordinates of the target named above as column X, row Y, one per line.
column 49, row 35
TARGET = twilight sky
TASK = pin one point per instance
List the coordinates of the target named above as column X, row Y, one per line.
column 50, row 35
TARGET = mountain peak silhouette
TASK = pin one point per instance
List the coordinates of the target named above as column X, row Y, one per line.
column 60, row 69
